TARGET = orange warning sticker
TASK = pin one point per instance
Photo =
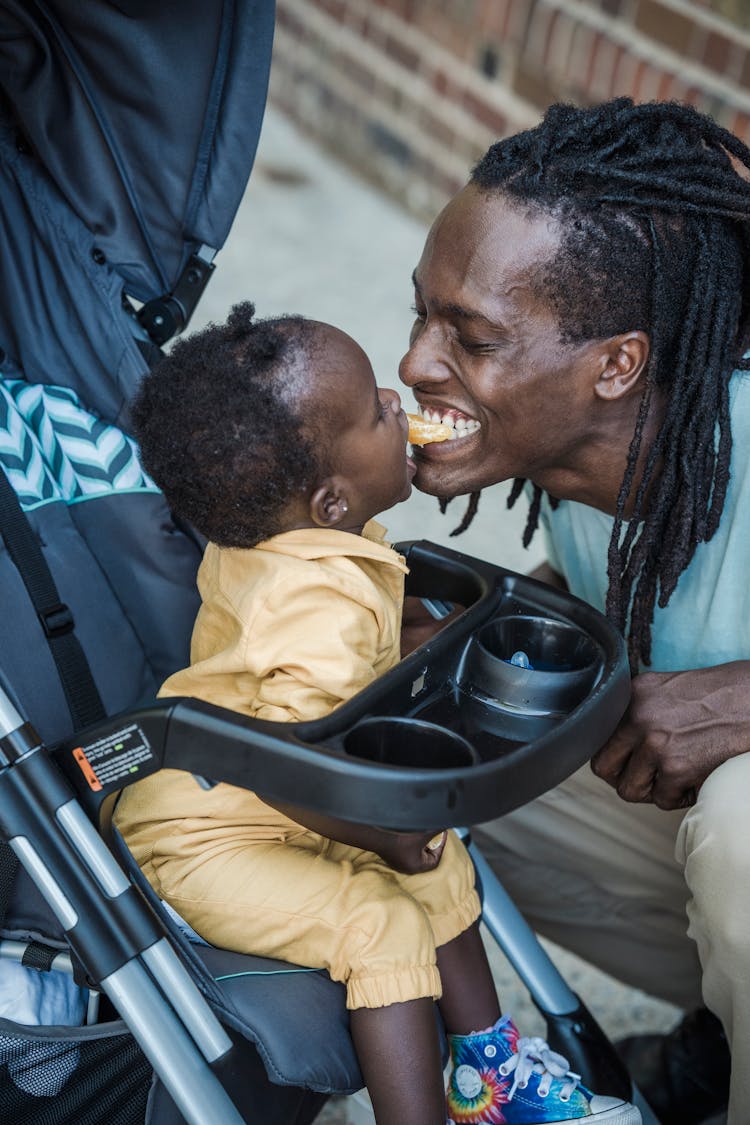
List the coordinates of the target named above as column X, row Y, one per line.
column 87, row 769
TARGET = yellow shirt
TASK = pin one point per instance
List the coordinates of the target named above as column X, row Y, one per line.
column 290, row 629
column 287, row 631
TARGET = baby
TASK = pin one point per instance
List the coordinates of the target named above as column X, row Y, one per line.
column 273, row 440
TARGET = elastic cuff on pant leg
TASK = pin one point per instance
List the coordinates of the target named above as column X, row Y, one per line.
column 396, row 987
column 446, row 927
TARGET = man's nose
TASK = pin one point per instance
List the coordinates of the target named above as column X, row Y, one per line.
column 422, row 362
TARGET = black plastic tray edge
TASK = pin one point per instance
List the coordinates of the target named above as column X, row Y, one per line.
column 304, row 763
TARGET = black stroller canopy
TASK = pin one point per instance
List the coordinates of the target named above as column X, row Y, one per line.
column 165, row 121
column 147, row 133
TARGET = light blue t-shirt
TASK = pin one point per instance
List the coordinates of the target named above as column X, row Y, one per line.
column 707, row 620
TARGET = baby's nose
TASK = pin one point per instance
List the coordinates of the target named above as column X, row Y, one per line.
column 392, row 397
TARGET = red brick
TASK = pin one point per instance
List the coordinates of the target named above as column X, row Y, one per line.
column 665, row 25
column 579, row 60
column 716, row 51
column 677, row 89
column 559, row 43
column 745, row 74
column 485, row 113
column 453, row 37
column 493, row 18
column 433, row 126
column 356, row 72
column 290, row 22
column 538, row 34
column 444, row 84
column 366, row 28
column 518, row 17
column 403, row 55
column 741, row 126
column 603, row 68
column 647, row 83
column 618, row 54
column 624, row 83
column 534, row 84
column 664, row 87
column 335, row 8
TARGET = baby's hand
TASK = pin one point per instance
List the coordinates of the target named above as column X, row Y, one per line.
column 418, row 625
column 412, row 853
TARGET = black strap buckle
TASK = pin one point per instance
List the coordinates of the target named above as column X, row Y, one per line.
column 57, row 620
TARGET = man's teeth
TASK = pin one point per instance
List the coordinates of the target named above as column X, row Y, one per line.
column 461, row 426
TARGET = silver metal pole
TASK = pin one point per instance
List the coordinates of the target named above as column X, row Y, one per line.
column 177, row 984
column 193, row 1086
column 520, row 944
column 10, row 720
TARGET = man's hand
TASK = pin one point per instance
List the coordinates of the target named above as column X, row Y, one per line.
column 411, row 853
column 678, row 728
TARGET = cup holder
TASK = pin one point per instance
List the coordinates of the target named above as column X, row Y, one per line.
column 412, row 743
column 533, row 666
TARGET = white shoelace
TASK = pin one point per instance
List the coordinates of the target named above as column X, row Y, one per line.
column 534, row 1056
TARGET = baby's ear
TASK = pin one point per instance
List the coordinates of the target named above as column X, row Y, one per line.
column 328, row 503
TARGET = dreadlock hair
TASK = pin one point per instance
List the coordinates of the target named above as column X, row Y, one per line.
column 220, row 427
column 655, row 236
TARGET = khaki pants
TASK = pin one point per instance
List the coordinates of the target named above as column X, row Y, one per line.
column 661, row 900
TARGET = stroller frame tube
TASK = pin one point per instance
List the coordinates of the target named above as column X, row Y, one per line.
column 177, row 984
column 519, row 943
column 161, row 1005
column 192, row 1085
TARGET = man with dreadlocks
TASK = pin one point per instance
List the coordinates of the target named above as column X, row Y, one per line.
column 585, row 299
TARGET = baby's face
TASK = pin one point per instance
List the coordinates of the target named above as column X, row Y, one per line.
column 368, row 429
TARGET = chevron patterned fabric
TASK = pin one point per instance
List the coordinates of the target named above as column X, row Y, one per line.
column 52, row 448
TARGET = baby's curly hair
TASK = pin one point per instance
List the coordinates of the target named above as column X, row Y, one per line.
column 221, row 428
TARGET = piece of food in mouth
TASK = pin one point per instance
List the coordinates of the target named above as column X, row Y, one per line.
column 422, row 432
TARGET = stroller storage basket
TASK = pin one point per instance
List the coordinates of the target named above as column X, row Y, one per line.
column 57, row 1075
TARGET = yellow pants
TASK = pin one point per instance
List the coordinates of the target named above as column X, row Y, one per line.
column 277, row 890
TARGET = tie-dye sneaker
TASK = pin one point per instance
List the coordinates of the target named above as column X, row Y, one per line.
column 498, row 1077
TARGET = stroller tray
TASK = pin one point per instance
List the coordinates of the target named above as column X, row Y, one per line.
column 505, row 702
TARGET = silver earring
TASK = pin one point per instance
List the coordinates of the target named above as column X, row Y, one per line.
column 344, row 506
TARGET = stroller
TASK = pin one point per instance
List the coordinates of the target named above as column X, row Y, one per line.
column 114, row 1015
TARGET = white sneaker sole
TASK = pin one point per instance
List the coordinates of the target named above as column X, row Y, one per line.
column 624, row 1114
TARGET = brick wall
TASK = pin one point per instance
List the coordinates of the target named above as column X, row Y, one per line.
column 412, row 92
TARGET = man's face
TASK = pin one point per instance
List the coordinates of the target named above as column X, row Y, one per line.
column 369, row 431
column 485, row 348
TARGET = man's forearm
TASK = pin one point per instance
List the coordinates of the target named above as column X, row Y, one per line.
column 545, row 573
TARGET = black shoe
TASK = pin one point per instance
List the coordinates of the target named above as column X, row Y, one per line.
column 684, row 1076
